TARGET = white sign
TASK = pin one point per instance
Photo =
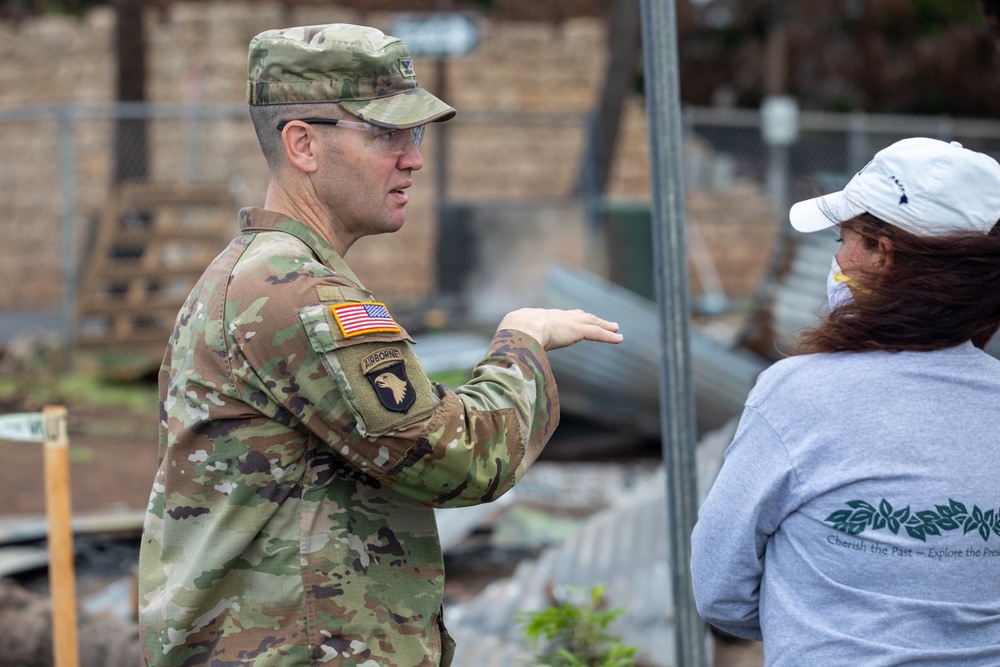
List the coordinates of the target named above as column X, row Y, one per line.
column 25, row 426
column 437, row 34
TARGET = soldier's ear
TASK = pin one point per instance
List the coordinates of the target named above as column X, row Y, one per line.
column 301, row 146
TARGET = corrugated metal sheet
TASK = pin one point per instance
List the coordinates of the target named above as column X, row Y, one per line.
column 799, row 296
column 619, row 385
column 450, row 351
column 623, row 548
column 616, row 386
column 16, row 529
column 15, row 560
column 455, row 524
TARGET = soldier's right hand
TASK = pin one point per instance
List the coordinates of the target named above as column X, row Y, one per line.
column 555, row 328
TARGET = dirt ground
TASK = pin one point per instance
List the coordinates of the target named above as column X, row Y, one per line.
column 113, row 456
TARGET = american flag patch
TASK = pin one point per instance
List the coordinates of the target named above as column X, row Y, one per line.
column 355, row 319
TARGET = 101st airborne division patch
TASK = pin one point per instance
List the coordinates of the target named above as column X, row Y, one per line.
column 385, row 369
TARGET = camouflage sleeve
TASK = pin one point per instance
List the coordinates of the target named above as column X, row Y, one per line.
column 440, row 447
column 484, row 435
column 367, row 397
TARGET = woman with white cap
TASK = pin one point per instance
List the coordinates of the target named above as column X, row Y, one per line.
column 857, row 516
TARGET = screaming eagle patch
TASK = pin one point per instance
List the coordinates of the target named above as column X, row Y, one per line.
column 386, row 371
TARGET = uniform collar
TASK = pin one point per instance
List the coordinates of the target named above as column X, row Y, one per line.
column 253, row 220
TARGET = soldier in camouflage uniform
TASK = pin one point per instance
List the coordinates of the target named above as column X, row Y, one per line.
column 303, row 449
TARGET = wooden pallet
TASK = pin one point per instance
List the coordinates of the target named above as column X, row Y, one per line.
column 151, row 244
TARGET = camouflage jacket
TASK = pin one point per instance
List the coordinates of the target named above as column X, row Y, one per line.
column 302, row 453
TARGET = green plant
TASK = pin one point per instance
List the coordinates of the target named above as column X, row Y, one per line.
column 575, row 635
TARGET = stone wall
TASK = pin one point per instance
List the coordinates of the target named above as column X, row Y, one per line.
column 522, row 96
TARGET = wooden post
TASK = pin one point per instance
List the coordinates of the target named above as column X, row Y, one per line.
column 62, row 582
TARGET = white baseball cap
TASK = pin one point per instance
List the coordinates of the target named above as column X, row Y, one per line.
column 924, row 186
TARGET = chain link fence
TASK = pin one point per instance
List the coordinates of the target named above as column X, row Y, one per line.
column 92, row 250
column 113, row 210
column 830, row 147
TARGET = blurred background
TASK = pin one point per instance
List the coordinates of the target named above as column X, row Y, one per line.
column 126, row 151
column 125, row 146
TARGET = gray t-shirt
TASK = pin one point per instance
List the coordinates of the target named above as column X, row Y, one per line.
column 856, row 519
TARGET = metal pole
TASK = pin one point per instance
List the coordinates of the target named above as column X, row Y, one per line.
column 857, row 143
column 677, row 422
column 777, row 176
column 592, row 197
column 67, row 196
column 441, row 138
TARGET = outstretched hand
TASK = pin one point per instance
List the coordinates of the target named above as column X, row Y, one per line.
column 561, row 328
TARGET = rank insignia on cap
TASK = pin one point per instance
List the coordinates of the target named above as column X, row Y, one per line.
column 392, row 387
column 406, row 67
column 355, row 319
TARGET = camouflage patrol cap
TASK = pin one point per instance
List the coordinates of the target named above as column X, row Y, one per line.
column 366, row 72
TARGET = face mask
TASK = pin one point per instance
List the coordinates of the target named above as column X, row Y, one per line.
column 838, row 290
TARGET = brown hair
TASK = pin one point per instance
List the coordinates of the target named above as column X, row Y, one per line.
column 267, row 116
column 938, row 292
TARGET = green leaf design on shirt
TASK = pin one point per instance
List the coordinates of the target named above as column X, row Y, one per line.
column 918, row 525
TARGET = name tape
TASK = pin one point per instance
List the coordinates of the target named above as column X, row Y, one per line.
column 25, row 427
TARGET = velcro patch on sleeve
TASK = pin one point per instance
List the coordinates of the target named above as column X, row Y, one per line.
column 340, row 293
column 387, row 384
column 386, row 371
column 356, row 319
